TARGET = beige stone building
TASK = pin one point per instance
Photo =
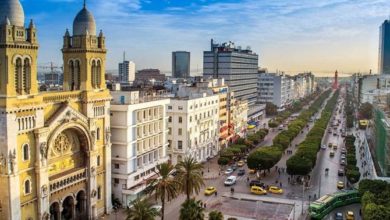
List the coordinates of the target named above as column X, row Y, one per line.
column 54, row 146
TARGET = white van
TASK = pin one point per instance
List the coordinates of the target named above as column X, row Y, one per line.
column 231, row 180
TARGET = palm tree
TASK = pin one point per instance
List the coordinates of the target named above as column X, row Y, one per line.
column 215, row 215
column 164, row 186
column 141, row 210
column 189, row 174
column 191, row 210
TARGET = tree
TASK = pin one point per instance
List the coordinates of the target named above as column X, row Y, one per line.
column 298, row 166
column 353, row 175
column 222, row 161
column 264, row 158
column 165, row 186
column 141, row 210
column 373, row 211
column 215, row 215
column 365, row 111
column 189, row 174
column 271, row 109
column 191, row 210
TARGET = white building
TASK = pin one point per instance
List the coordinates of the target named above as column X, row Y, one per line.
column 138, row 128
column 303, row 85
column 193, row 128
column 275, row 88
column 127, row 71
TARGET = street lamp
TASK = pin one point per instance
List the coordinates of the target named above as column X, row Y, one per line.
column 303, row 191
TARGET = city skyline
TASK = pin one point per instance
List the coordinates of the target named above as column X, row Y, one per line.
column 325, row 35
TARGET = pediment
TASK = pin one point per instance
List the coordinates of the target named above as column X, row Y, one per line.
column 66, row 114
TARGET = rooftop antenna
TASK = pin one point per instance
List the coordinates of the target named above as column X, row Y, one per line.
column 124, row 56
column 85, row 3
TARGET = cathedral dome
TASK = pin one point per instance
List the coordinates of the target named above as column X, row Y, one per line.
column 84, row 23
column 13, row 10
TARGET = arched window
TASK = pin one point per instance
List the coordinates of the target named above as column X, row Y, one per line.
column 98, row 160
column 26, row 152
column 98, row 133
column 27, row 76
column 72, row 79
column 27, row 187
column 98, row 74
column 18, row 76
column 77, row 75
column 93, row 74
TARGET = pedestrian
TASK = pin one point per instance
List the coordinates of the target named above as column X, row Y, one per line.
column 279, row 172
column 204, row 205
column 276, row 181
column 202, row 172
column 360, row 212
column 247, row 179
column 276, row 167
column 216, row 193
column 280, row 184
column 288, row 179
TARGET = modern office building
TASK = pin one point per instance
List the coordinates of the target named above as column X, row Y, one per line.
column 276, row 88
column 55, row 146
column 181, row 64
column 148, row 75
column 126, row 71
column 139, row 141
column 239, row 68
column 384, row 48
column 193, row 123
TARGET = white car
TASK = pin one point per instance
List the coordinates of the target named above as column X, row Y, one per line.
column 231, row 180
column 323, row 147
column 229, row 171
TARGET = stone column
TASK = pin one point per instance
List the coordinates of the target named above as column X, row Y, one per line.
column 74, row 210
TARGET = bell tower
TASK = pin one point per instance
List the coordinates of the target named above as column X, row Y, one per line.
column 84, row 55
column 18, row 53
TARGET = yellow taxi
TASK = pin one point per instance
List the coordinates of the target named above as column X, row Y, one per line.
column 240, row 163
column 252, row 171
column 340, row 185
column 210, row 190
column 334, row 146
column 350, row 215
column 258, row 190
column 275, row 190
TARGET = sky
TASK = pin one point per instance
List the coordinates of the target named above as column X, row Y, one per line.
column 290, row 36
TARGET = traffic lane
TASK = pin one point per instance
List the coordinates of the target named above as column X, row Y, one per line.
column 355, row 208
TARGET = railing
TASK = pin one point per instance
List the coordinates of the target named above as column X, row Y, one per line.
column 62, row 96
column 68, row 180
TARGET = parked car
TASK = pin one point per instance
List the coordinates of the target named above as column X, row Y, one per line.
column 323, row 147
column 342, row 156
column 240, row 163
column 241, row 172
column 340, row 172
column 258, row 190
column 342, row 162
column 331, row 153
column 234, row 167
column 229, row 171
column 231, row 180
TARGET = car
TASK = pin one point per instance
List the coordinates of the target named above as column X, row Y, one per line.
column 252, row 171
column 234, row 167
column 343, row 134
column 258, row 190
column 275, row 190
column 342, row 162
column 329, row 130
column 343, row 150
column 240, row 163
column 340, row 185
column 229, row 171
column 335, row 146
column 256, row 183
column 241, row 172
column 334, row 134
column 331, row 153
column 340, row 172
column 157, row 207
column 350, row 215
column 210, row 190
column 231, row 180
column 280, row 128
column 330, row 145
column 339, row 216
column 342, row 156
column 323, row 147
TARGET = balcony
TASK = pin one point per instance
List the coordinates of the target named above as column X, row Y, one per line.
column 64, row 181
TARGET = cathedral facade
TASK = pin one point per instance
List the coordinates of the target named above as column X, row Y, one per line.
column 55, row 147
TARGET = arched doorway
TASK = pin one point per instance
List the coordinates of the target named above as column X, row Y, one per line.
column 81, row 205
column 68, row 208
column 55, row 211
